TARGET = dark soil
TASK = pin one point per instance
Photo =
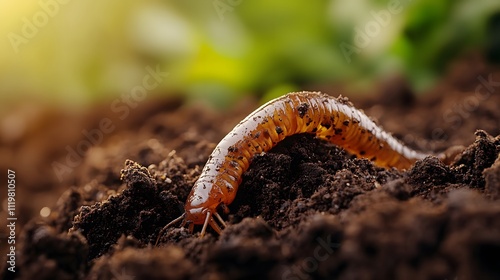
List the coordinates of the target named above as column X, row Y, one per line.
column 305, row 210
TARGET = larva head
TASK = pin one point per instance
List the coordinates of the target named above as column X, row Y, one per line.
column 202, row 199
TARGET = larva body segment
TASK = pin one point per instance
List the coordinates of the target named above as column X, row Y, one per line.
column 329, row 118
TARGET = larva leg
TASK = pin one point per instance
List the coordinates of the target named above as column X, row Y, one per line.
column 215, row 226
column 207, row 219
column 220, row 219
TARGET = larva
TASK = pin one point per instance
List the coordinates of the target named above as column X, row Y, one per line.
column 329, row 118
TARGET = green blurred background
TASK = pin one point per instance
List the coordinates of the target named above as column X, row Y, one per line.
column 76, row 53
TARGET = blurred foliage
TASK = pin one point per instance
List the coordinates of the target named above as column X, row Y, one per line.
column 219, row 50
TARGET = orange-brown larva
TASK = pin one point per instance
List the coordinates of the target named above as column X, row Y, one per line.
column 329, row 118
